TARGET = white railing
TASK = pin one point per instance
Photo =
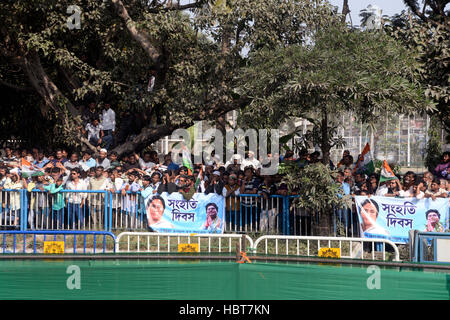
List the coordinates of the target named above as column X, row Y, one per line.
column 165, row 242
column 291, row 246
column 152, row 242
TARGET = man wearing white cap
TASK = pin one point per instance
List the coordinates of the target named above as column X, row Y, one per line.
column 102, row 160
column 235, row 162
column 216, row 185
column 251, row 161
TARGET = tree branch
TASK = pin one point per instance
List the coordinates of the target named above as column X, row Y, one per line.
column 150, row 135
column 74, row 83
column 175, row 7
column 345, row 10
column 415, row 9
column 46, row 88
column 137, row 35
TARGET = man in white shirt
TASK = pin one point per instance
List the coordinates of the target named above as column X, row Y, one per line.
column 73, row 162
column 151, row 81
column 94, row 132
column 214, row 160
column 4, row 179
column 234, row 162
column 15, row 183
column 109, row 125
column 76, row 200
column 116, row 183
column 146, row 163
column 251, row 161
column 382, row 190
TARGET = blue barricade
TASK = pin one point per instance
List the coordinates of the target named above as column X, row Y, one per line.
column 253, row 213
column 13, row 204
column 428, row 248
column 126, row 212
column 106, row 211
column 21, row 243
column 66, row 210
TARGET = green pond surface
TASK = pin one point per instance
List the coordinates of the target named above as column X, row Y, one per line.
column 213, row 280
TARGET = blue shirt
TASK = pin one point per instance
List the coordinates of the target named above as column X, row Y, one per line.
column 90, row 163
column 41, row 164
column 173, row 166
column 55, row 161
column 346, row 188
column 149, row 190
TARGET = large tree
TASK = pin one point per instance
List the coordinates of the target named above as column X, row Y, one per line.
column 427, row 30
column 196, row 57
column 340, row 70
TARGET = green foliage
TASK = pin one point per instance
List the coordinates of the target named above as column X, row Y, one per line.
column 315, row 184
column 256, row 24
column 200, row 54
column 312, row 137
column 431, row 40
column 367, row 73
column 266, row 52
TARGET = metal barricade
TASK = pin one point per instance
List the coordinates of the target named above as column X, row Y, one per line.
column 153, row 242
column 253, row 213
column 352, row 248
column 13, row 204
column 299, row 221
column 68, row 210
column 431, row 247
column 127, row 212
column 75, row 242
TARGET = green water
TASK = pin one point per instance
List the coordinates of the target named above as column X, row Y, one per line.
column 203, row 280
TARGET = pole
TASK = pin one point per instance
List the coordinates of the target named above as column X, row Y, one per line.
column 409, row 142
column 238, row 252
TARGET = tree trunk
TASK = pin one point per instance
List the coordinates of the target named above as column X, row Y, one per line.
column 137, row 35
column 53, row 98
column 345, row 10
column 45, row 87
column 325, row 143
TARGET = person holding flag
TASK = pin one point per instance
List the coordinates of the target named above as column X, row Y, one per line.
column 388, row 184
column 27, row 169
column 386, row 173
column 365, row 162
column 199, row 182
column 187, row 162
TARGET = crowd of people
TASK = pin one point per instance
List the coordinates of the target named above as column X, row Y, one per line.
column 230, row 177
column 427, row 185
column 151, row 171
column 152, row 174
column 146, row 173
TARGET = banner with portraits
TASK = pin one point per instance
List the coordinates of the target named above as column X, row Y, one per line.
column 203, row 213
column 392, row 218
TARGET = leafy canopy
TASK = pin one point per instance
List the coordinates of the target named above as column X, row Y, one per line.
column 368, row 73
